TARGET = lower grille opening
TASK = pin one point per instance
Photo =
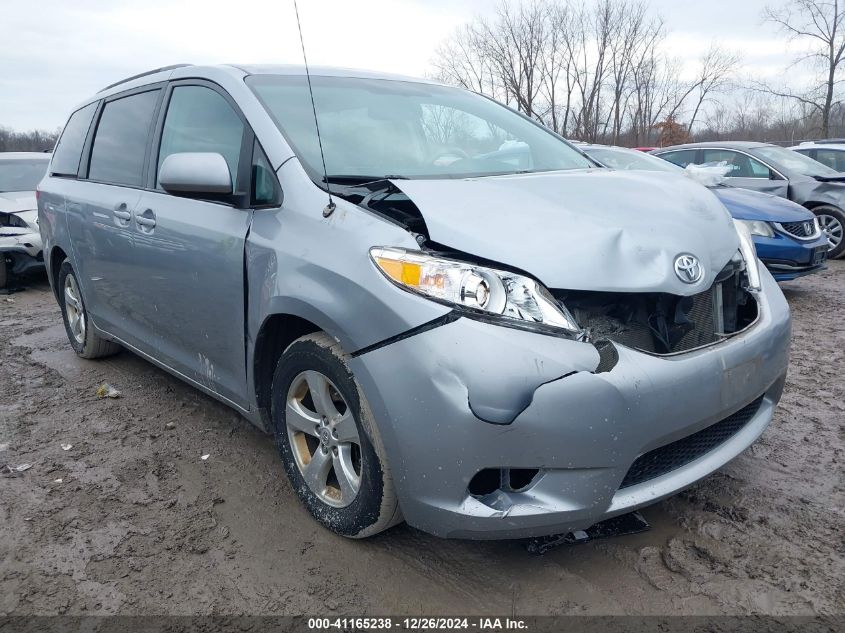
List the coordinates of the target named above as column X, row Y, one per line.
column 489, row 480
column 681, row 452
column 662, row 323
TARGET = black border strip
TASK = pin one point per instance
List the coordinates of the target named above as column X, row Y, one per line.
column 449, row 317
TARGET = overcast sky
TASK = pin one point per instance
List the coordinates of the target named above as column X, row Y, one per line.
column 55, row 53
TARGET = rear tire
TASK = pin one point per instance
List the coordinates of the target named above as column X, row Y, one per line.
column 832, row 221
column 329, row 442
column 4, row 274
column 84, row 341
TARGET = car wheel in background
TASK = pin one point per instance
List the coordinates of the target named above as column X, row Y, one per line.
column 4, row 271
column 329, row 442
column 85, row 342
column 832, row 221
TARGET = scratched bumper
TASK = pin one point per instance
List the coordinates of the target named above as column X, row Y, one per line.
column 467, row 396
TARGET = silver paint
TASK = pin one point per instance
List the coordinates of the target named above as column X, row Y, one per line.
column 192, row 291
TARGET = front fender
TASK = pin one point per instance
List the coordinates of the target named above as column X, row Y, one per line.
column 299, row 263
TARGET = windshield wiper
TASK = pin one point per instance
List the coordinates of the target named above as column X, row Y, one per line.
column 354, row 179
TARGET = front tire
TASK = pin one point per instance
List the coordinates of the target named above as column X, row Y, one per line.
column 832, row 221
column 85, row 342
column 329, row 442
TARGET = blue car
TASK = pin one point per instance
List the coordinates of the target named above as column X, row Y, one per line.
column 787, row 236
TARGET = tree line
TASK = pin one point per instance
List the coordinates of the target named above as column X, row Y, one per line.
column 32, row 141
column 601, row 72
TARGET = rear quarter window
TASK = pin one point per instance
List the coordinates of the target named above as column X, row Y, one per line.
column 68, row 152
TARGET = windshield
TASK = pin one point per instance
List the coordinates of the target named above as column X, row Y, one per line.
column 373, row 128
column 788, row 160
column 22, row 174
column 623, row 158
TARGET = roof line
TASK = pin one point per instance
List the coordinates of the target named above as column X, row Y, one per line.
column 237, row 67
column 144, row 74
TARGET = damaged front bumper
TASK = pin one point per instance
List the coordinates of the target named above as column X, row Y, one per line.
column 788, row 258
column 499, row 433
column 21, row 250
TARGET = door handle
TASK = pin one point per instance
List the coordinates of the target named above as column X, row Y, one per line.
column 121, row 212
column 147, row 219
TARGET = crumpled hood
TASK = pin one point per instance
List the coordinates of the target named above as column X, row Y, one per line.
column 17, row 201
column 745, row 204
column 602, row 230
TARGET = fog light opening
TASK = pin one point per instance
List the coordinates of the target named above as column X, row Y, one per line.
column 521, row 478
column 485, row 482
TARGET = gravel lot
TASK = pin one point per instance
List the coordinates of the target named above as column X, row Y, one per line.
column 130, row 520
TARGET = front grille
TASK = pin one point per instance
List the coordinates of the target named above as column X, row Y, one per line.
column 799, row 229
column 661, row 323
column 681, row 452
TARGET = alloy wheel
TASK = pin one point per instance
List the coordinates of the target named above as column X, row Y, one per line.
column 74, row 309
column 832, row 228
column 324, row 438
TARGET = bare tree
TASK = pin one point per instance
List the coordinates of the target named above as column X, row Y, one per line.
column 634, row 34
column 515, row 42
column 461, row 61
column 591, row 71
column 819, row 23
column 556, row 67
column 657, row 91
column 714, row 75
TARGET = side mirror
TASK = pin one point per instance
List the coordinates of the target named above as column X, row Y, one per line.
column 195, row 174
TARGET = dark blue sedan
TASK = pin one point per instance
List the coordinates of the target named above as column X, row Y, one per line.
column 787, row 236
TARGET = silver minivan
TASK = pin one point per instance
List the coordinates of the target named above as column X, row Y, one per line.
column 442, row 311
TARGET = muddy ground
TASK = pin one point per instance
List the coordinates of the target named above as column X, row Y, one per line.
column 130, row 520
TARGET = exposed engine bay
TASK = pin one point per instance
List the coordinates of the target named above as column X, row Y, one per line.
column 385, row 199
column 660, row 323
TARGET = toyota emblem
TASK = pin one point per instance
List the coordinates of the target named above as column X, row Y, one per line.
column 688, row 268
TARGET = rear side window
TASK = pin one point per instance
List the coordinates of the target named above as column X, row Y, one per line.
column 741, row 165
column 681, row 158
column 833, row 158
column 69, row 150
column 199, row 119
column 120, row 143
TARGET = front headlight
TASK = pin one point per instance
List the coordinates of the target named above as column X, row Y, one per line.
column 749, row 254
column 758, row 227
column 515, row 299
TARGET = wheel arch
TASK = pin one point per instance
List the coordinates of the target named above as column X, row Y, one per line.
column 276, row 333
column 814, row 204
column 54, row 262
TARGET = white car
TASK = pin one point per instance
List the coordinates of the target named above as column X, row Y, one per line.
column 20, row 238
column 830, row 153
